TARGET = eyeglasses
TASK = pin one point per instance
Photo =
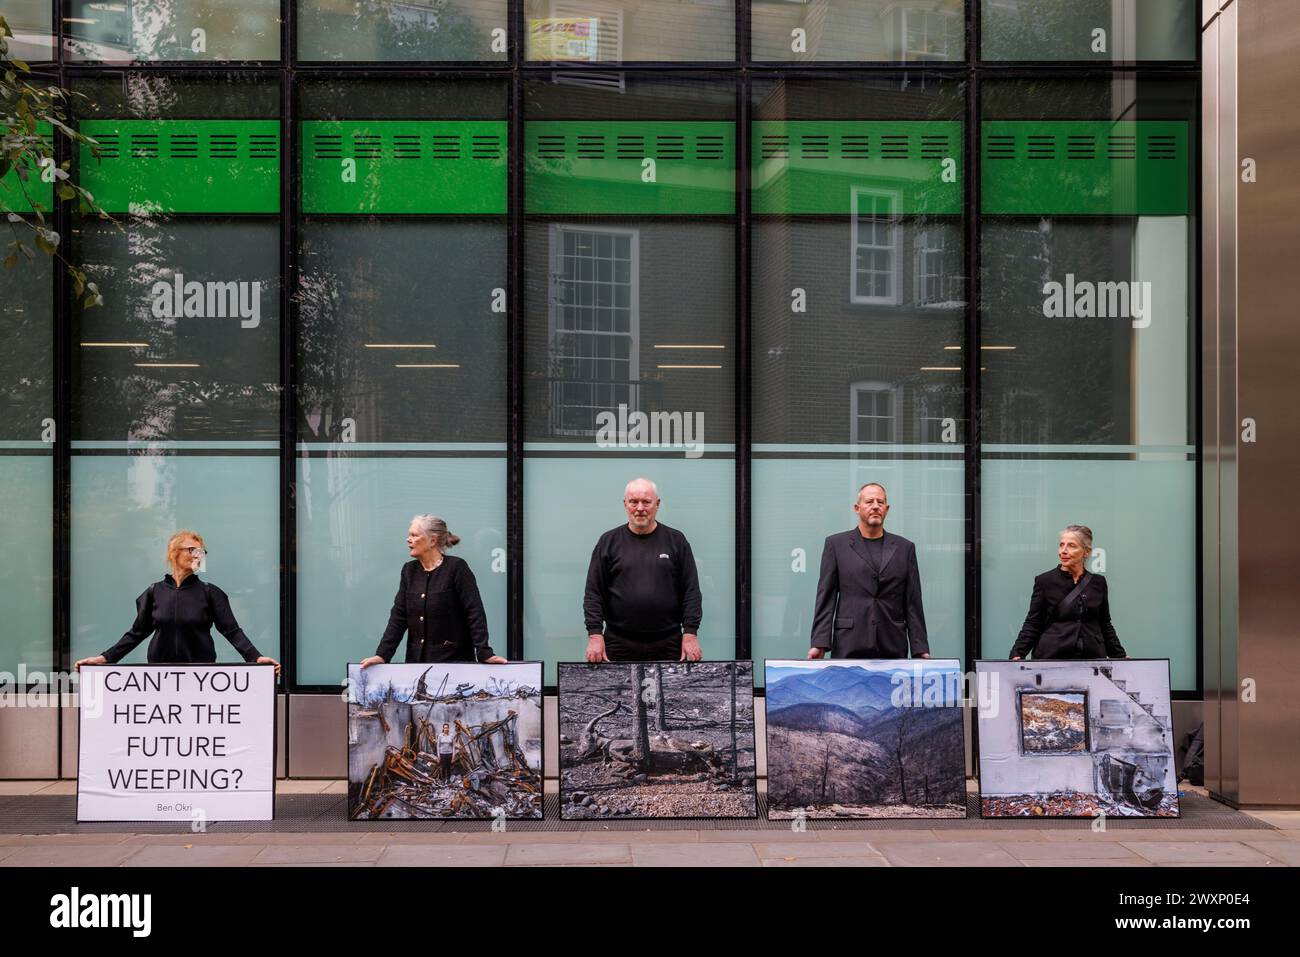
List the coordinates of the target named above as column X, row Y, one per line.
column 196, row 552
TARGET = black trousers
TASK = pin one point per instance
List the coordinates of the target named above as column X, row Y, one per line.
column 667, row 647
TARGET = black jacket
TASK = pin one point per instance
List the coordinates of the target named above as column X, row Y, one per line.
column 442, row 611
column 180, row 620
column 865, row 612
column 1082, row 630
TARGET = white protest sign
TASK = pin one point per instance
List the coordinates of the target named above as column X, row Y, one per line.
column 177, row 743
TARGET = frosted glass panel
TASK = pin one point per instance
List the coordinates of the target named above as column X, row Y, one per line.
column 571, row 501
column 1090, row 30
column 396, row 30
column 352, row 519
column 799, row 501
column 1143, row 518
column 26, row 561
column 173, row 30
column 124, row 508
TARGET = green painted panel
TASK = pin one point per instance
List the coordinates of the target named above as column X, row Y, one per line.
column 1085, row 167
column 12, row 196
column 819, row 166
column 602, row 167
column 404, row 166
column 184, row 166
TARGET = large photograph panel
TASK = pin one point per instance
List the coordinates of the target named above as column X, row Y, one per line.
column 1076, row 739
column 858, row 738
column 657, row 740
column 444, row 741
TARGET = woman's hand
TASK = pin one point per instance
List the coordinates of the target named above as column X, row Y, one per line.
column 496, row 660
column 372, row 660
column 97, row 660
column 270, row 661
column 1015, row 657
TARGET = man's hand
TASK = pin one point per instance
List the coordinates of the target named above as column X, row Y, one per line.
column 97, row 660
column 1015, row 657
column 264, row 660
column 372, row 660
column 596, row 649
column 691, row 648
column 495, row 660
column 924, row 655
column 815, row 653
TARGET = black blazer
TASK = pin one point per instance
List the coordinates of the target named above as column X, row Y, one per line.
column 865, row 613
column 446, row 620
column 180, row 618
column 1083, row 630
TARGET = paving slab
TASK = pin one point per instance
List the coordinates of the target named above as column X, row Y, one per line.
column 200, row 855
column 435, row 855
column 70, row 855
column 518, row 855
column 1191, row 852
column 318, row 854
column 943, row 854
column 694, row 855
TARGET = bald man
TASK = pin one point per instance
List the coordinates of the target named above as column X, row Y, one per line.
column 869, row 591
column 643, row 592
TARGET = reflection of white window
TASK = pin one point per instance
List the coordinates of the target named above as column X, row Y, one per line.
column 594, row 325
column 925, row 33
column 874, row 408
column 937, row 269
column 933, row 406
column 876, row 235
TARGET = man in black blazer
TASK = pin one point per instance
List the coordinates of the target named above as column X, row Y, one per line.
column 869, row 590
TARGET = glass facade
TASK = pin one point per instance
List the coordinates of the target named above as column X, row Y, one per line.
column 492, row 259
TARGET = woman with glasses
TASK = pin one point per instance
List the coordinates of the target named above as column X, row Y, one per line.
column 179, row 613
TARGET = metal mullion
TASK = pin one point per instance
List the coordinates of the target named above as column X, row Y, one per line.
column 62, row 395
column 743, row 425
column 289, row 192
column 974, row 433
column 514, row 344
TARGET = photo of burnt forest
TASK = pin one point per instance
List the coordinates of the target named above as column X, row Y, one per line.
column 1055, row 723
column 657, row 740
column 857, row 738
column 445, row 741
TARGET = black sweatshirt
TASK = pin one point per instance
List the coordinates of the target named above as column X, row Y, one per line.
column 180, row 620
column 642, row 586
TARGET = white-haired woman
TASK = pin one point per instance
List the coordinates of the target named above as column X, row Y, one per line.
column 437, row 603
column 179, row 613
column 1069, row 613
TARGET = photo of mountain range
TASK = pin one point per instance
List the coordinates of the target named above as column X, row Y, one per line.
column 854, row 738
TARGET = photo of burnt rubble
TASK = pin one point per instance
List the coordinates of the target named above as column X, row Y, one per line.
column 445, row 741
column 657, row 740
column 1063, row 738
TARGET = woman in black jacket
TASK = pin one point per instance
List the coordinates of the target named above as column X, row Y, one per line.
column 1069, row 613
column 437, row 603
column 179, row 613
